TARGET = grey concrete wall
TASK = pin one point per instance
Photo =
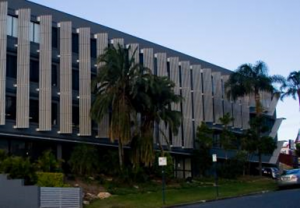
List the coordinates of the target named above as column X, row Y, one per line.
column 13, row 194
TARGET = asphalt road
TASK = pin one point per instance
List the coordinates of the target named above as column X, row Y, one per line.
column 280, row 199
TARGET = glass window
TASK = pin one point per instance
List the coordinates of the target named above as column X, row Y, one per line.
column 10, row 107
column 75, row 43
column 15, row 27
column 75, row 79
column 11, row 66
column 93, row 48
column 34, row 111
column 36, row 33
column 34, row 71
column 75, row 116
column 54, row 75
column 54, row 114
column 54, row 37
column 31, row 35
column 9, row 25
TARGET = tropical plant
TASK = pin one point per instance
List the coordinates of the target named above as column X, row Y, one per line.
column 292, row 86
column 201, row 157
column 257, row 141
column 115, row 88
column 19, row 168
column 153, row 102
column 252, row 80
column 227, row 137
column 48, row 163
column 84, row 160
column 298, row 150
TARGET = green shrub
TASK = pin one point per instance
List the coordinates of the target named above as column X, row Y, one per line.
column 3, row 155
column 48, row 163
column 18, row 167
column 50, row 179
column 84, row 160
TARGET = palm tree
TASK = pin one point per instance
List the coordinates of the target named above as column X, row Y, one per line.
column 292, row 86
column 115, row 89
column 249, row 80
column 154, row 103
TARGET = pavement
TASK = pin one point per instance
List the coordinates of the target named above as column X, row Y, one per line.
column 279, row 199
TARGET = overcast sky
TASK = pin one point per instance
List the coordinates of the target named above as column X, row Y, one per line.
column 226, row 33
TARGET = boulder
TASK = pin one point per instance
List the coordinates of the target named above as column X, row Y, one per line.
column 103, row 195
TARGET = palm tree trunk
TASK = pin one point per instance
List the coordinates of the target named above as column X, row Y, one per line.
column 258, row 106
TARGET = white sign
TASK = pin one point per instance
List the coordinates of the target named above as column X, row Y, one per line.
column 162, row 161
column 214, row 157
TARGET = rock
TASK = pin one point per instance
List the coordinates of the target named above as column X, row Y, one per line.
column 86, row 202
column 136, row 187
column 76, row 185
column 91, row 196
column 104, row 195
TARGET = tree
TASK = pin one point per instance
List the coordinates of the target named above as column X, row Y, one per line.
column 257, row 141
column 292, row 86
column 153, row 102
column 227, row 137
column 298, row 150
column 115, row 88
column 201, row 155
column 252, row 80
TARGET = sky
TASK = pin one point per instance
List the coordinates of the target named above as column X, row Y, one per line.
column 226, row 33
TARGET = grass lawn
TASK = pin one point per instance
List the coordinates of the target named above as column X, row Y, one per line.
column 186, row 193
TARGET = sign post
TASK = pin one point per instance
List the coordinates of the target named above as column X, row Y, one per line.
column 162, row 161
column 214, row 159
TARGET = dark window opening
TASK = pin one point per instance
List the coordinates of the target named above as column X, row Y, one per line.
column 34, row 71
column 54, row 37
column 34, row 111
column 54, row 114
column 141, row 58
column 75, row 116
column 192, row 80
column 75, row 79
column 10, row 107
column 11, row 66
column 54, row 75
column 75, row 43
column 93, row 48
column 180, row 78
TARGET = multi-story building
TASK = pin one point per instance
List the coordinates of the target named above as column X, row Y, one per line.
column 47, row 61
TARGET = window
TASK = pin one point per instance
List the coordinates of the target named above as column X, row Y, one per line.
column 93, row 48
column 34, row 32
column 10, row 107
column 12, row 26
column 34, row 71
column 34, row 111
column 54, row 114
column 11, row 66
column 75, row 43
column 75, row 79
column 75, row 116
column 54, row 75
column 54, row 37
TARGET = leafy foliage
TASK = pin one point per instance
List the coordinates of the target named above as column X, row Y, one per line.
column 201, row 157
column 298, row 150
column 291, row 87
column 227, row 137
column 169, row 169
column 50, row 179
column 48, row 163
column 84, row 160
column 18, row 167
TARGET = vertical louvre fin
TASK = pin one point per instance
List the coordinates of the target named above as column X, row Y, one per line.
column 23, row 66
column 45, row 92
column 65, row 77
